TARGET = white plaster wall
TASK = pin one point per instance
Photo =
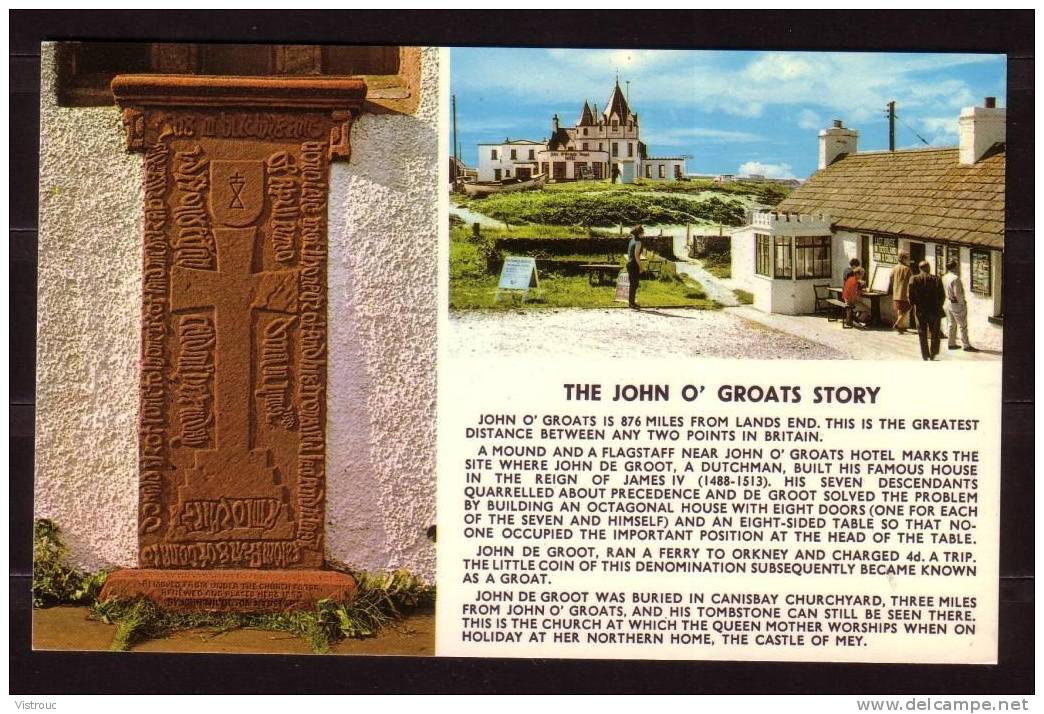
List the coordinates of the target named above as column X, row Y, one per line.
column 981, row 332
column 382, row 359
column 383, row 316
column 844, row 248
column 653, row 166
column 89, row 307
column 742, row 256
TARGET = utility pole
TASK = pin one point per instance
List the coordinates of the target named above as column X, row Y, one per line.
column 456, row 156
column 891, row 125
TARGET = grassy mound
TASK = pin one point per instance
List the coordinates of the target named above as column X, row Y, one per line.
column 606, row 208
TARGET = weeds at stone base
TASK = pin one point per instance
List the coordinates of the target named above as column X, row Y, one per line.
column 382, row 598
column 54, row 582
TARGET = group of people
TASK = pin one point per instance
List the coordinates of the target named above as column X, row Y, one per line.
column 923, row 296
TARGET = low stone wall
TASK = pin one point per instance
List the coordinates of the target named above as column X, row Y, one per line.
column 614, row 245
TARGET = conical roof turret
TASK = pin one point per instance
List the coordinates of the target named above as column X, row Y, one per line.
column 586, row 115
column 617, row 105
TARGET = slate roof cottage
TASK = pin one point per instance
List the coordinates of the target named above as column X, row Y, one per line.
column 933, row 203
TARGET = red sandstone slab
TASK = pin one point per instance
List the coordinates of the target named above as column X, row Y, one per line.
column 231, row 590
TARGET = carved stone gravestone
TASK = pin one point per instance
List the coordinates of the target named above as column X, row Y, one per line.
column 232, row 419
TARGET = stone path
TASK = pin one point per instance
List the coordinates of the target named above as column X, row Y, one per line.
column 716, row 288
column 742, row 332
column 856, row 343
column 624, row 333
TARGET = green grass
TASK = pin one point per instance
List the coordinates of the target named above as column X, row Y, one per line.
column 745, row 297
column 606, row 208
column 766, row 193
column 718, row 264
column 473, row 288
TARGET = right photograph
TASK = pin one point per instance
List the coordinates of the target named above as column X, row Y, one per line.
column 728, row 204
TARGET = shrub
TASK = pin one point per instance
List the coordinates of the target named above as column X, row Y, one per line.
column 607, row 208
column 55, row 583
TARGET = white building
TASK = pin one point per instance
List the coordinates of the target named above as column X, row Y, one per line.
column 512, row 158
column 599, row 146
column 934, row 204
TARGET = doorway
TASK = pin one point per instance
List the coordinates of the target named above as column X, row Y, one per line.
column 916, row 255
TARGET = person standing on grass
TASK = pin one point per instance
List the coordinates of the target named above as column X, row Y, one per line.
column 956, row 307
column 634, row 265
column 927, row 295
column 901, row 275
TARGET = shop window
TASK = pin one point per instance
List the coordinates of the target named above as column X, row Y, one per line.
column 85, row 69
column 783, row 257
column 763, row 254
column 943, row 255
column 812, row 257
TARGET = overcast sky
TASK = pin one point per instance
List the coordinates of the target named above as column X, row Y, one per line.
column 733, row 112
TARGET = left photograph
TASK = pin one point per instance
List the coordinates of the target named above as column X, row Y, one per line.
column 236, row 348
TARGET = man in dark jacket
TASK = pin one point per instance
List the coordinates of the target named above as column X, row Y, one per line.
column 927, row 297
column 634, row 265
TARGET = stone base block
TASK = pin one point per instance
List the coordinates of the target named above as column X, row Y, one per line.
column 231, row 590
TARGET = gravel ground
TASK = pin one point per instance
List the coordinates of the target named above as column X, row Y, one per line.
column 625, row 333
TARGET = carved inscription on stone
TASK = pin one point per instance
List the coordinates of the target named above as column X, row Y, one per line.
column 236, row 590
column 234, row 340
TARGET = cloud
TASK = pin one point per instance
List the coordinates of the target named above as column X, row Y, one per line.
column 685, row 136
column 626, row 61
column 854, row 86
column 941, row 131
column 776, row 171
column 808, row 119
column 781, row 67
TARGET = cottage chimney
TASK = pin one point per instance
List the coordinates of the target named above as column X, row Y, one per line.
column 980, row 128
column 834, row 142
column 554, row 123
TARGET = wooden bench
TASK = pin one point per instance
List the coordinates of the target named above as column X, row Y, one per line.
column 601, row 273
column 840, row 311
